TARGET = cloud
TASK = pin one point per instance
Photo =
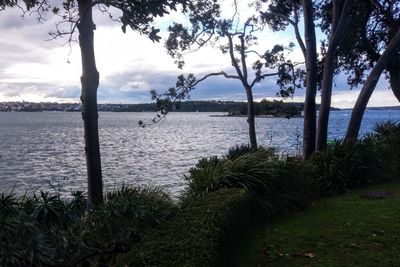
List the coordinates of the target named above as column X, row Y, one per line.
column 34, row 69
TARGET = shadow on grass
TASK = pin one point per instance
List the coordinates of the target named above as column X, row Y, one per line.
column 348, row 230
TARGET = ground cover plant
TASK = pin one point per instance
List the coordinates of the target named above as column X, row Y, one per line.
column 347, row 230
column 45, row 230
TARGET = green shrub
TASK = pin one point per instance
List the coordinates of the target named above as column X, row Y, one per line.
column 387, row 138
column 240, row 150
column 277, row 184
column 43, row 229
column 199, row 235
column 346, row 165
column 237, row 151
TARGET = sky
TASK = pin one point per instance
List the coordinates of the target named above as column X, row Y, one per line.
column 34, row 68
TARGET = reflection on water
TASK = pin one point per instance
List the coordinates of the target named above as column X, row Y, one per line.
column 39, row 149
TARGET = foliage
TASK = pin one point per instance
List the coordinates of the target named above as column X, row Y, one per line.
column 374, row 24
column 344, row 230
column 387, row 137
column 237, row 151
column 198, row 235
column 236, row 37
column 347, row 165
column 277, row 184
column 45, row 230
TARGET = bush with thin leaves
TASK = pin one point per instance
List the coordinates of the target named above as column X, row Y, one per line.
column 346, row 165
column 277, row 184
column 43, row 229
column 386, row 136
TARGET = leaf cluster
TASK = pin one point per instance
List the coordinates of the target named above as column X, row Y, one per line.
column 200, row 234
column 45, row 230
column 373, row 24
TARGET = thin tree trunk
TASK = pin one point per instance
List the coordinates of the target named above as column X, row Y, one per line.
column 251, row 118
column 90, row 82
column 338, row 29
column 326, row 96
column 311, row 80
column 368, row 88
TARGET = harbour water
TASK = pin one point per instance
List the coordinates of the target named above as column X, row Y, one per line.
column 45, row 149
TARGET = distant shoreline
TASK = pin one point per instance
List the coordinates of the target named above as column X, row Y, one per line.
column 257, row 116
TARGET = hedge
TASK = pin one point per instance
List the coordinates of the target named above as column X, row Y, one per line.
column 199, row 235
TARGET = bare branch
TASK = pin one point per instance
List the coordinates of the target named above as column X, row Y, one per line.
column 243, row 56
column 254, row 52
column 261, row 77
column 297, row 32
column 233, row 59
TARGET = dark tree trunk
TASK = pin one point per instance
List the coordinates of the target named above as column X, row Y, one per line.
column 394, row 77
column 368, row 88
column 251, row 118
column 90, row 82
column 395, row 82
column 339, row 24
column 311, row 82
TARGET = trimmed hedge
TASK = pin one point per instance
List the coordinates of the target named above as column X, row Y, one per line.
column 199, row 235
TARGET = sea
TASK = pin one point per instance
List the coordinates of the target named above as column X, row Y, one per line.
column 45, row 150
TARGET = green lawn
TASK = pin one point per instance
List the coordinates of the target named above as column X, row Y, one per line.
column 340, row 231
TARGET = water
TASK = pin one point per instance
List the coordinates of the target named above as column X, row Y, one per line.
column 45, row 149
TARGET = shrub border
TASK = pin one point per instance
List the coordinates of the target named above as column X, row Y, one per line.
column 200, row 234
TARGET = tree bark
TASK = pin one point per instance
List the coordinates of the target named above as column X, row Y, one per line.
column 326, row 96
column 90, row 83
column 251, row 118
column 369, row 86
column 311, row 80
column 394, row 77
column 338, row 29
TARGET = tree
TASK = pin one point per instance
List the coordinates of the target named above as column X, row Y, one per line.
column 239, row 40
column 278, row 16
column 136, row 14
column 367, row 52
column 338, row 12
column 372, row 46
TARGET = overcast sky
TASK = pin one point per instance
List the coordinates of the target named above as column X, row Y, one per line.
column 32, row 68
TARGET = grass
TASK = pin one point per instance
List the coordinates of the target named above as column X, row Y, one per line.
column 347, row 230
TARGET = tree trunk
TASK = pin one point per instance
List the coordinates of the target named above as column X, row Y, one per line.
column 394, row 78
column 326, row 95
column 90, row 82
column 251, row 118
column 338, row 30
column 311, row 80
column 369, row 86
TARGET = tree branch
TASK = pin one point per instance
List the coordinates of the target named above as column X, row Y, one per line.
column 243, row 56
column 341, row 23
column 183, row 92
column 233, row 59
column 261, row 77
column 297, row 33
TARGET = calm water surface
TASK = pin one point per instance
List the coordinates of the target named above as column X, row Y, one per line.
column 46, row 148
